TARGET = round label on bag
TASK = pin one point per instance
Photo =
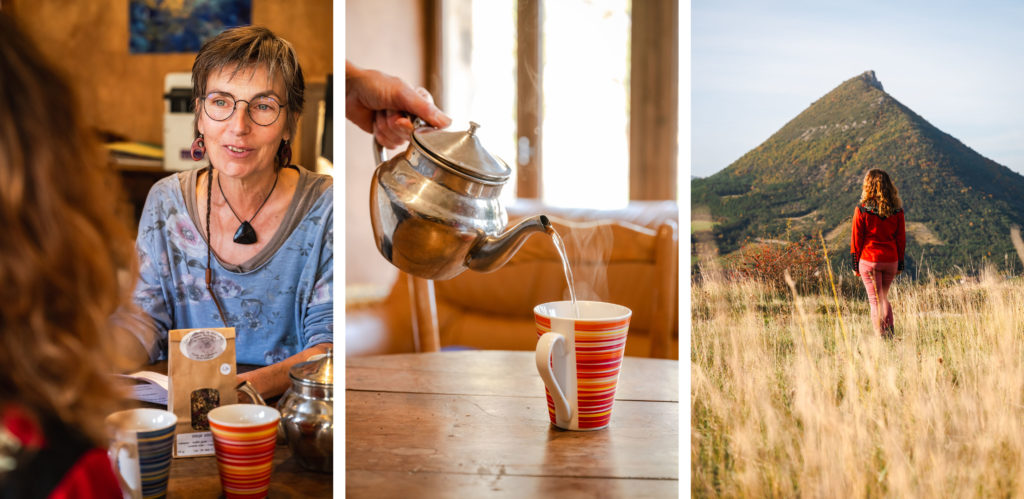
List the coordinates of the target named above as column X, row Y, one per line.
column 203, row 344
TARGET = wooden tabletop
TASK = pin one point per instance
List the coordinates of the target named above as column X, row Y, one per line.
column 475, row 424
column 198, row 477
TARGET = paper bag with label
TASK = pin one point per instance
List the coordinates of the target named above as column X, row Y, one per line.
column 201, row 377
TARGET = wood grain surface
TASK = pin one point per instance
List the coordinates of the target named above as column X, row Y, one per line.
column 495, row 372
column 447, row 485
column 198, row 477
column 475, row 423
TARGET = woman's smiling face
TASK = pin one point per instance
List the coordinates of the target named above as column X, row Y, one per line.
column 237, row 146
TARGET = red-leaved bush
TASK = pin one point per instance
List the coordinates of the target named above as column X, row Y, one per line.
column 767, row 261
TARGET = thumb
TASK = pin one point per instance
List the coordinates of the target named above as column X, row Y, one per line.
column 420, row 103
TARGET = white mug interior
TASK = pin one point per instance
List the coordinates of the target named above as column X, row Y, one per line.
column 588, row 310
column 243, row 415
column 142, row 419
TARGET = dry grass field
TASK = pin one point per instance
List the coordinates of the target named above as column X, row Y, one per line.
column 795, row 396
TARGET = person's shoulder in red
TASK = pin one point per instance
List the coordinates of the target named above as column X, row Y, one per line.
column 49, row 459
column 91, row 477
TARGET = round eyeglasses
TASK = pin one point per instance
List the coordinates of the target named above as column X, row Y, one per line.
column 263, row 111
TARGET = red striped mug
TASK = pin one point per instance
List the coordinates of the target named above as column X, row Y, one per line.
column 244, row 438
column 579, row 354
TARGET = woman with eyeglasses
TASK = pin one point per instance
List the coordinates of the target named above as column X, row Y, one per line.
column 246, row 241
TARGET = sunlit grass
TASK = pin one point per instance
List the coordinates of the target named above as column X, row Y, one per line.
column 699, row 225
column 937, row 412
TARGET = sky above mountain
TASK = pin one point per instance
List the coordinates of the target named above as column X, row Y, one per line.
column 756, row 65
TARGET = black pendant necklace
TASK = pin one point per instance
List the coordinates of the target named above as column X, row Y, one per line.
column 245, row 233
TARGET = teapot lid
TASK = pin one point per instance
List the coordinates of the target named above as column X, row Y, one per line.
column 318, row 369
column 462, row 152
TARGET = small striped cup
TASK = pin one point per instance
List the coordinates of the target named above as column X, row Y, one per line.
column 244, row 437
column 140, row 450
column 579, row 354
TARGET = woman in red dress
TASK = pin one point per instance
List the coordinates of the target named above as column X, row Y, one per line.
column 878, row 244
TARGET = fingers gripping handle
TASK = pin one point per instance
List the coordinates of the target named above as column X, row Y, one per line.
column 551, row 352
column 379, row 153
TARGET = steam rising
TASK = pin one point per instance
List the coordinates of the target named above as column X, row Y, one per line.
column 589, row 247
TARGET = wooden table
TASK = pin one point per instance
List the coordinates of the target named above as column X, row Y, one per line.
column 475, row 424
column 198, row 476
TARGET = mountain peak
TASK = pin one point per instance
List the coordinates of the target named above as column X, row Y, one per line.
column 869, row 78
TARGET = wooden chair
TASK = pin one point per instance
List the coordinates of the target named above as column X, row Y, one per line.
column 495, row 310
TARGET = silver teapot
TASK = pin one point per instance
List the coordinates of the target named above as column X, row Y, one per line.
column 307, row 412
column 435, row 208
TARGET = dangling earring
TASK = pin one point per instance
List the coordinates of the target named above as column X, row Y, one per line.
column 198, row 148
column 284, row 154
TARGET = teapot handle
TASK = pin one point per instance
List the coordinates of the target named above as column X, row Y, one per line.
column 379, row 153
column 247, row 388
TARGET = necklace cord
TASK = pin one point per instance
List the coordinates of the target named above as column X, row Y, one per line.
column 221, row 187
column 209, row 241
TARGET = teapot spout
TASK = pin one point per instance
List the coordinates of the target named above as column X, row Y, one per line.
column 495, row 251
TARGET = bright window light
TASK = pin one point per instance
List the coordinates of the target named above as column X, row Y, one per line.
column 480, row 75
column 585, row 143
column 585, row 151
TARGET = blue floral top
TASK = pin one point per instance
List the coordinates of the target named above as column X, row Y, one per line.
column 279, row 303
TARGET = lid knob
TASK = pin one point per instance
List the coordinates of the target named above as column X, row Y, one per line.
column 472, row 127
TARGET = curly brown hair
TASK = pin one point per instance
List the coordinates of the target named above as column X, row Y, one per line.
column 249, row 47
column 62, row 250
column 880, row 193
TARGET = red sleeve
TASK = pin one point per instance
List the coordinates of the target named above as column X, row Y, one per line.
column 856, row 242
column 92, row 477
column 901, row 235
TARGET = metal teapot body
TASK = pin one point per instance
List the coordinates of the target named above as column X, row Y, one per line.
column 307, row 421
column 435, row 209
column 307, row 412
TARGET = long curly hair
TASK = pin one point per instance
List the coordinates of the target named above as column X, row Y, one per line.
column 880, row 193
column 66, row 256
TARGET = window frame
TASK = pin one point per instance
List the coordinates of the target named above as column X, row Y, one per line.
column 654, row 94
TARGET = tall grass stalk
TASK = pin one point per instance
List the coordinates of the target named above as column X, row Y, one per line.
column 832, row 282
column 937, row 412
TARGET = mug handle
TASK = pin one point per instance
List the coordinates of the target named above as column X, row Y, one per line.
column 548, row 345
column 115, row 457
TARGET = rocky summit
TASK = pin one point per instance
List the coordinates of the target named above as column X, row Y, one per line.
column 806, row 179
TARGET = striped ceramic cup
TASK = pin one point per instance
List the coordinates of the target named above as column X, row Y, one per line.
column 140, row 450
column 578, row 357
column 244, row 437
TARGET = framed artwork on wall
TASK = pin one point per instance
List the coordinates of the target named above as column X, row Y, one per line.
column 162, row 26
